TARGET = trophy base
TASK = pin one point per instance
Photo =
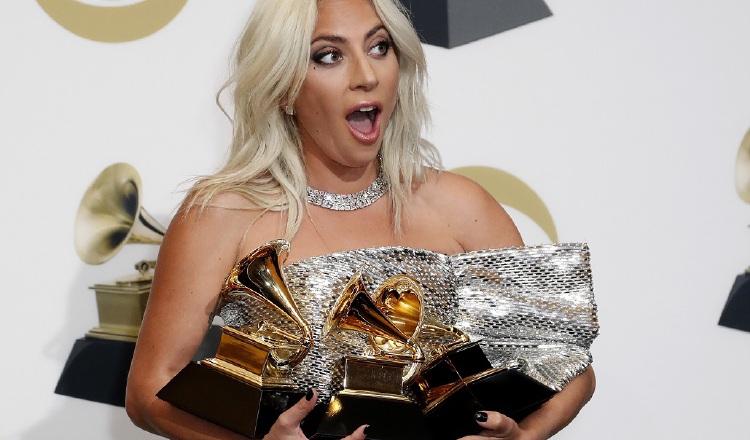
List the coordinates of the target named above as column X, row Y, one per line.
column 736, row 313
column 227, row 401
column 97, row 370
column 509, row 392
column 389, row 419
column 120, row 334
column 451, row 23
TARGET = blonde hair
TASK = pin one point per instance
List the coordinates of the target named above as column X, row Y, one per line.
column 265, row 160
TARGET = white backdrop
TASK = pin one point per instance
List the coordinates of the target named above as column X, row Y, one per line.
column 624, row 116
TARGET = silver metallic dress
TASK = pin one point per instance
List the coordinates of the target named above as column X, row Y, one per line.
column 531, row 307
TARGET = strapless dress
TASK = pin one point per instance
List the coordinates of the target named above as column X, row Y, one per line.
column 530, row 307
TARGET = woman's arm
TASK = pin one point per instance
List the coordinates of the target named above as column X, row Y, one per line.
column 483, row 224
column 545, row 422
column 195, row 256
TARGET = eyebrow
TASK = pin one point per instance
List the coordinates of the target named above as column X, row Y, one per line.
column 333, row 38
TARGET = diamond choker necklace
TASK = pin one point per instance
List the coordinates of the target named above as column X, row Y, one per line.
column 349, row 202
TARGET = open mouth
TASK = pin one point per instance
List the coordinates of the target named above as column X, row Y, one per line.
column 364, row 120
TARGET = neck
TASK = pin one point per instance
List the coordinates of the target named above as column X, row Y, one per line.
column 330, row 176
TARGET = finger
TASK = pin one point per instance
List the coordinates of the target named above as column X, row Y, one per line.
column 496, row 424
column 290, row 419
column 359, row 434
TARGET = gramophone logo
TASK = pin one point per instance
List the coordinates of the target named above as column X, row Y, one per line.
column 736, row 313
column 112, row 21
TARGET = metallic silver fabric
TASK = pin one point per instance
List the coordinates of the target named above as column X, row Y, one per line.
column 532, row 307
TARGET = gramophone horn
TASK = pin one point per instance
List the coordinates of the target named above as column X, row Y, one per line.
column 401, row 298
column 259, row 276
column 356, row 311
column 110, row 215
column 742, row 169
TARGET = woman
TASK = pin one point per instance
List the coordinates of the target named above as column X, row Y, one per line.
column 328, row 95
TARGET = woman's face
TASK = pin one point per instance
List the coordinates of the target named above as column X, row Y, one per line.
column 350, row 89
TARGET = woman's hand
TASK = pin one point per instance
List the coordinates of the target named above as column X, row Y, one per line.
column 287, row 427
column 497, row 426
column 546, row 421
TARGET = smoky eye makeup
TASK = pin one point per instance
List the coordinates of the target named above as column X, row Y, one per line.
column 326, row 56
column 330, row 54
column 382, row 46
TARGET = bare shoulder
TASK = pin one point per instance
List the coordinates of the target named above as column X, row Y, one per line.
column 198, row 251
column 222, row 226
column 455, row 186
column 477, row 219
column 215, row 236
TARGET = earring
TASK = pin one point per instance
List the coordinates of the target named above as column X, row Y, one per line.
column 289, row 110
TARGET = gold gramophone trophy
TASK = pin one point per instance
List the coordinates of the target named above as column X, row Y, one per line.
column 736, row 313
column 372, row 385
column 246, row 385
column 461, row 381
column 109, row 217
column 458, row 380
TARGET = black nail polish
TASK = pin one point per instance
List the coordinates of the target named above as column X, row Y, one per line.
column 367, row 428
column 481, row 416
column 309, row 394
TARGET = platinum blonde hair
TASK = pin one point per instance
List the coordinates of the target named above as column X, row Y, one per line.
column 265, row 159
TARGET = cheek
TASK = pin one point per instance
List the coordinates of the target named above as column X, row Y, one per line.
column 393, row 89
column 308, row 106
column 316, row 95
column 392, row 76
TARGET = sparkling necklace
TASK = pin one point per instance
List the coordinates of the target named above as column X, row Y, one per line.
column 349, row 202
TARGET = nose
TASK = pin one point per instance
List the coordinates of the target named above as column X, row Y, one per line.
column 362, row 74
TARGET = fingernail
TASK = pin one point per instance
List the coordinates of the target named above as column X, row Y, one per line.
column 309, row 394
column 481, row 416
column 367, row 428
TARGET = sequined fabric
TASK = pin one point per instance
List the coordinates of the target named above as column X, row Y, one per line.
column 531, row 307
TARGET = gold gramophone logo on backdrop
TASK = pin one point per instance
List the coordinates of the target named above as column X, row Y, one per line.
column 112, row 21
column 110, row 216
column 736, row 313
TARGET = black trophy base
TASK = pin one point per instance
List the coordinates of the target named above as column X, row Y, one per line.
column 461, row 362
column 508, row 392
column 226, row 401
column 97, row 370
column 736, row 313
column 450, row 23
column 389, row 419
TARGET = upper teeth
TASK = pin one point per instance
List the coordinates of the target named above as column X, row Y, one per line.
column 366, row 109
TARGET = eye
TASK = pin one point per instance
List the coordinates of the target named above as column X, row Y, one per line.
column 327, row 56
column 381, row 48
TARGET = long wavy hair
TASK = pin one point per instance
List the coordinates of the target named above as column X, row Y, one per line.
column 266, row 164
